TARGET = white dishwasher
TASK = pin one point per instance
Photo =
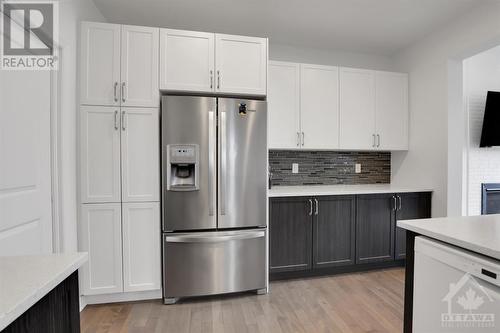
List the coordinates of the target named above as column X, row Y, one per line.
column 454, row 290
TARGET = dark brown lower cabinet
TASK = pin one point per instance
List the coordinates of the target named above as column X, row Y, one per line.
column 375, row 228
column 334, row 234
column 410, row 206
column 290, row 234
column 334, row 231
column 56, row 312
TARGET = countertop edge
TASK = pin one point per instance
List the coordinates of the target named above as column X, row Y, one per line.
column 28, row 302
column 450, row 240
column 323, row 192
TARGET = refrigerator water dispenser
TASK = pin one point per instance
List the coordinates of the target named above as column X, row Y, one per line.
column 182, row 167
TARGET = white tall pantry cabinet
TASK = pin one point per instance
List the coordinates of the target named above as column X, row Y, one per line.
column 119, row 159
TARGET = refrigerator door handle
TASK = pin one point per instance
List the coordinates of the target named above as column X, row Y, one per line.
column 211, row 161
column 223, row 166
column 210, row 238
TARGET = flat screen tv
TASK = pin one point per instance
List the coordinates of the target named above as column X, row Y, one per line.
column 490, row 136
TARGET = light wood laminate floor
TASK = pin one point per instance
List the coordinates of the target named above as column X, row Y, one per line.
column 358, row 302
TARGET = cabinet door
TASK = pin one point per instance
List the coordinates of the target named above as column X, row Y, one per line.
column 100, row 64
column 290, row 234
column 357, row 109
column 139, row 66
column 283, row 105
column 141, row 246
column 410, row 206
column 140, row 153
column 241, row 64
column 375, row 228
column 334, row 231
column 187, row 60
column 100, row 154
column 319, row 106
column 101, row 236
column 392, row 110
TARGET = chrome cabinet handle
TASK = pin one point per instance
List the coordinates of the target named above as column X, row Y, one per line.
column 310, row 207
column 218, row 79
column 317, row 206
column 394, row 203
column 400, row 203
column 374, row 143
column 116, row 120
column 123, row 121
column 303, row 139
column 115, row 97
column 123, row 92
column 378, row 140
column 211, row 79
column 298, row 139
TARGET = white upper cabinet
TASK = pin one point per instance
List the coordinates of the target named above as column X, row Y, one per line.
column 101, row 236
column 100, row 63
column 241, row 64
column 100, row 154
column 139, row 66
column 319, row 106
column 187, row 60
column 140, row 154
column 391, row 110
column 283, row 105
column 357, row 109
column 119, row 65
column 141, row 246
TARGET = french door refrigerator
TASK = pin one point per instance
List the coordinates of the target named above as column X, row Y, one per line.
column 214, row 181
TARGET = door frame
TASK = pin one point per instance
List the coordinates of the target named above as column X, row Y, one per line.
column 55, row 155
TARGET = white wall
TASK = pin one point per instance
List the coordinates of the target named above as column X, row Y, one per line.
column 71, row 13
column 282, row 52
column 482, row 73
column 427, row 163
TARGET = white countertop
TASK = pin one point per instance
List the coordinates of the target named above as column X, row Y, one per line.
column 24, row 280
column 480, row 234
column 315, row 190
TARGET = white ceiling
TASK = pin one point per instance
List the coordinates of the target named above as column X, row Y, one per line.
column 369, row 26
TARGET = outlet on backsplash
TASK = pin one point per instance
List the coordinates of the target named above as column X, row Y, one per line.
column 329, row 167
column 357, row 168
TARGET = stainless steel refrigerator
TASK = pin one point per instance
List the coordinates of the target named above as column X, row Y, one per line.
column 214, row 180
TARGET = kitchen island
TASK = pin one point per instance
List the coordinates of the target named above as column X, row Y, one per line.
column 476, row 236
column 40, row 293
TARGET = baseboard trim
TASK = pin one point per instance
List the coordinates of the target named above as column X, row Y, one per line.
column 119, row 297
column 335, row 270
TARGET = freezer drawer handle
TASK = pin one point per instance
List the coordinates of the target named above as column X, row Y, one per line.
column 214, row 239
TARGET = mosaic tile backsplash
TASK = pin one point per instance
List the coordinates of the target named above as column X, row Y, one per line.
column 329, row 167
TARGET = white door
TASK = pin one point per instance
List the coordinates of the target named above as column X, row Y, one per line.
column 25, row 176
column 319, row 106
column 139, row 66
column 101, row 236
column 140, row 154
column 100, row 154
column 186, row 60
column 141, row 246
column 100, row 64
column 241, row 64
column 357, row 109
column 392, row 110
column 283, row 105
